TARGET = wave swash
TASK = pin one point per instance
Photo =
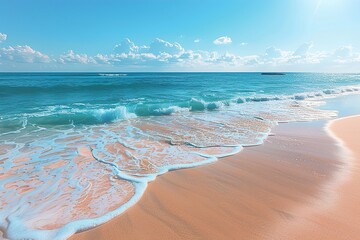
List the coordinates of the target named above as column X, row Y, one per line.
column 58, row 180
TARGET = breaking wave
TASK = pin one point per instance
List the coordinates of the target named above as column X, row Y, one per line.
column 103, row 156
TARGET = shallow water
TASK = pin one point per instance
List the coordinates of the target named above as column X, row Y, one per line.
column 78, row 149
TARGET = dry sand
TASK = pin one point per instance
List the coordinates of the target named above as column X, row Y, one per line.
column 291, row 187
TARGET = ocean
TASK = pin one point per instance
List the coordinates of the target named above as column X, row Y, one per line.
column 77, row 149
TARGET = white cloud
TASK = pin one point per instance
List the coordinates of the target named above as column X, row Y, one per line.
column 303, row 50
column 228, row 58
column 252, row 60
column 272, row 52
column 22, row 54
column 158, row 52
column 343, row 52
column 197, row 40
column 127, row 46
column 161, row 54
column 101, row 59
column 159, row 46
column 243, row 44
column 140, row 59
column 222, row 40
column 357, row 57
column 274, row 56
column 277, row 57
column 304, row 55
column 3, row 37
column 72, row 57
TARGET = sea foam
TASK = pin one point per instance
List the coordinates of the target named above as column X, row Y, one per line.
column 59, row 180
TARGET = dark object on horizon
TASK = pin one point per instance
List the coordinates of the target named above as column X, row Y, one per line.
column 272, row 73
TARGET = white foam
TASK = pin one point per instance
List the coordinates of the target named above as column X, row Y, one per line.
column 112, row 74
column 127, row 154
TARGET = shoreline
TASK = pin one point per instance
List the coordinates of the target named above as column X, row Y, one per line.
column 339, row 219
column 284, row 208
column 88, row 217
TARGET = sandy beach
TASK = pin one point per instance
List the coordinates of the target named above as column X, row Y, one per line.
column 339, row 219
column 300, row 184
column 176, row 120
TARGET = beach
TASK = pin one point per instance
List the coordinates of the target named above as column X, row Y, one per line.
column 339, row 219
column 179, row 120
column 235, row 159
column 300, row 184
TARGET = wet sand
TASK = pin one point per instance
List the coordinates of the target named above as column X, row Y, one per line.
column 299, row 184
column 340, row 218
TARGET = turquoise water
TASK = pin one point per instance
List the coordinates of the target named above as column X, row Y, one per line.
column 69, row 140
column 95, row 98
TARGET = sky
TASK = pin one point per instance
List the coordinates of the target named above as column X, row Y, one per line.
column 180, row 35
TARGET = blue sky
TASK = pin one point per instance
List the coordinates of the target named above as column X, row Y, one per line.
column 183, row 35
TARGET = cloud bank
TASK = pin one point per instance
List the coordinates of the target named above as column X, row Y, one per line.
column 22, row 54
column 161, row 55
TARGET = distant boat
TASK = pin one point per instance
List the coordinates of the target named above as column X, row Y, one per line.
column 272, row 73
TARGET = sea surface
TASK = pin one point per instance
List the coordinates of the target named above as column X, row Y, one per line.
column 77, row 149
